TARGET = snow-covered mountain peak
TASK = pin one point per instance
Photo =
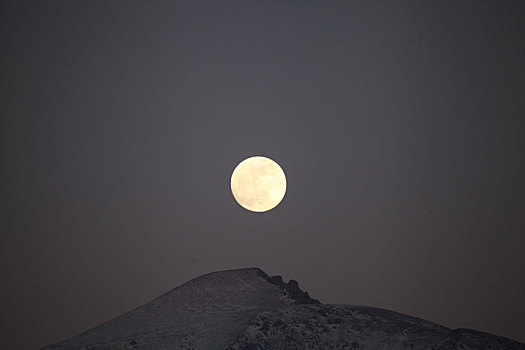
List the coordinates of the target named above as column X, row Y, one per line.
column 247, row 309
column 247, row 287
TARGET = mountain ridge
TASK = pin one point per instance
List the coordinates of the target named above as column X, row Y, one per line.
column 246, row 309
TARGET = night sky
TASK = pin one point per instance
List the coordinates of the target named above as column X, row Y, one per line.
column 400, row 127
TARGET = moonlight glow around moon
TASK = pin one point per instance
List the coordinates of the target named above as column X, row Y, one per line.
column 258, row 184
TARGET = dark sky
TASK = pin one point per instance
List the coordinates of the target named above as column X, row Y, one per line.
column 400, row 127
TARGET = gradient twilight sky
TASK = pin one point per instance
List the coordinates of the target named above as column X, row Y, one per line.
column 400, row 127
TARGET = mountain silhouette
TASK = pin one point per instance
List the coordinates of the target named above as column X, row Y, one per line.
column 246, row 309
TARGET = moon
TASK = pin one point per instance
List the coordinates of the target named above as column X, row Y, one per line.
column 258, row 184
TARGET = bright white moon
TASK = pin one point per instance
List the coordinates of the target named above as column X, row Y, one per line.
column 258, row 184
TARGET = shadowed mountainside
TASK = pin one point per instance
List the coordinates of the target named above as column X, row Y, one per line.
column 246, row 309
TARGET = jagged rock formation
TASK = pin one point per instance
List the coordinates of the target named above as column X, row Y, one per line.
column 290, row 289
column 246, row 309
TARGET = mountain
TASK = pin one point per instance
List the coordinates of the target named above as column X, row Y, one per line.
column 246, row 309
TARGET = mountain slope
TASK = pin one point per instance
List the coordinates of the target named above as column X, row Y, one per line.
column 246, row 309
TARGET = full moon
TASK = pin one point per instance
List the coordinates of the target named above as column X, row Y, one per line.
column 258, row 184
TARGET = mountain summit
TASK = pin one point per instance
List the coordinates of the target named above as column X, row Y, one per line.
column 247, row 309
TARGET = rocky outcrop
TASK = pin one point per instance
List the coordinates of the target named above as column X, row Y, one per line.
column 290, row 289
